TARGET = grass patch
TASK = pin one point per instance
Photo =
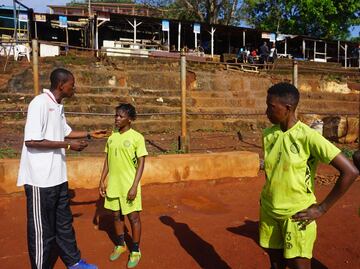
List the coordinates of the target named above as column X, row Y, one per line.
column 335, row 77
column 7, row 153
column 174, row 149
column 348, row 152
column 73, row 59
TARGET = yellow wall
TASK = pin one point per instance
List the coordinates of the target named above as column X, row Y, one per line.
column 84, row 172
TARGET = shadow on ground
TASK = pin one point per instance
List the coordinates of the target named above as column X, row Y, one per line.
column 201, row 251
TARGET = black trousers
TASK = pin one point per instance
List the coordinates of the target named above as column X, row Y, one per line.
column 49, row 223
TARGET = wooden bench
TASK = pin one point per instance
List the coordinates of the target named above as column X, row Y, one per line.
column 242, row 68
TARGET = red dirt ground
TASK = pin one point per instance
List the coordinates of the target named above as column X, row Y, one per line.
column 206, row 224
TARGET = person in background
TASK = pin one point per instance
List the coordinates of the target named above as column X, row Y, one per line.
column 264, row 53
column 273, row 53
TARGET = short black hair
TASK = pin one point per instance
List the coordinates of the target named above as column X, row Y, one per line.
column 287, row 92
column 129, row 109
column 58, row 76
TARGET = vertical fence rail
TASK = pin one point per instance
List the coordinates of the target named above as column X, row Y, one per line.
column 295, row 74
column 35, row 53
column 184, row 143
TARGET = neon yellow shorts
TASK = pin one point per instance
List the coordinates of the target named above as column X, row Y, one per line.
column 123, row 204
column 287, row 235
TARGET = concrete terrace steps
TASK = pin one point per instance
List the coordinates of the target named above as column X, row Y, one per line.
column 19, row 111
column 90, row 103
column 24, row 98
column 102, row 122
column 329, row 105
column 103, row 99
column 141, row 124
column 334, row 96
column 97, row 108
column 115, row 100
column 223, row 102
column 90, row 89
column 216, row 94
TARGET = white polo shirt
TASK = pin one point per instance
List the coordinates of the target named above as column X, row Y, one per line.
column 45, row 120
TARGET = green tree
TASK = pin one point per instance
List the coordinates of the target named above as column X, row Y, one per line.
column 210, row 11
column 319, row 18
column 74, row 2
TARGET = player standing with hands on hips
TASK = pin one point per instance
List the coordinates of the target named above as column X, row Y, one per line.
column 288, row 206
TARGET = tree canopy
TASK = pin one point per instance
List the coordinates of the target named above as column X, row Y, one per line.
column 210, row 11
column 74, row 2
column 318, row 18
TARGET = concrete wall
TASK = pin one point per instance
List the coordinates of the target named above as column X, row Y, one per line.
column 85, row 172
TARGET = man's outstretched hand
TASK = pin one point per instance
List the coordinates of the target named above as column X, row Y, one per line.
column 99, row 133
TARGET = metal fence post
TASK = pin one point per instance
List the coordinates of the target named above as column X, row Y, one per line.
column 295, row 74
column 184, row 145
column 35, row 54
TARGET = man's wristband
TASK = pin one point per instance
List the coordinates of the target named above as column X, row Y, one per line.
column 68, row 147
column 88, row 135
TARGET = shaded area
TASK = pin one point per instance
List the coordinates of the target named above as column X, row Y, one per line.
column 241, row 139
column 103, row 220
column 250, row 229
column 154, row 144
column 202, row 252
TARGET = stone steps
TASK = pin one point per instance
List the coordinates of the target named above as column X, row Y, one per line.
column 117, row 90
column 103, row 99
column 223, row 102
column 96, row 108
column 217, row 94
column 328, row 106
column 152, row 124
column 351, row 97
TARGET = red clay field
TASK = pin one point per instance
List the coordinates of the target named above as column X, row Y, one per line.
column 206, row 224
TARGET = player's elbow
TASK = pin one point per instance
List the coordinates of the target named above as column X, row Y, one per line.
column 356, row 172
column 30, row 144
column 353, row 173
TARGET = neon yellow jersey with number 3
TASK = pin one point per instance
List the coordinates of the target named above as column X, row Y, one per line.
column 290, row 160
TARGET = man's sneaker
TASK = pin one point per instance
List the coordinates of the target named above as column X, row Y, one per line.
column 83, row 265
column 134, row 259
column 118, row 250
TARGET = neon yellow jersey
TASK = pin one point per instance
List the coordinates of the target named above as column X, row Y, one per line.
column 122, row 151
column 290, row 160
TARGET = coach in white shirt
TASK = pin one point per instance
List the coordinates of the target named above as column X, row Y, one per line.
column 43, row 174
